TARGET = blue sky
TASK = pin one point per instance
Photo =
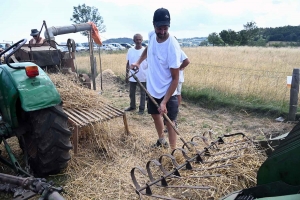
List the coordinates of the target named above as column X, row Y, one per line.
column 124, row 18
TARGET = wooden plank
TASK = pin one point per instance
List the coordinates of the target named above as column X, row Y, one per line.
column 93, row 117
column 93, row 112
column 82, row 117
column 117, row 112
column 79, row 119
column 108, row 111
column 73, row 118
column 106, row 117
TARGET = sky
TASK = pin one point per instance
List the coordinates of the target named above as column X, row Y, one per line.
column 124, row 18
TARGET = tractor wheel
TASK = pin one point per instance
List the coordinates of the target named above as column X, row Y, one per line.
column 48, row 141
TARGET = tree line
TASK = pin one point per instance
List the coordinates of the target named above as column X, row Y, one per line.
column 251, row 35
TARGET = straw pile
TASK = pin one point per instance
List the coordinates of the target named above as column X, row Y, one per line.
column 74, row 94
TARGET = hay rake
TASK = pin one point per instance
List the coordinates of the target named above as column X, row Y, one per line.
column 208, row 158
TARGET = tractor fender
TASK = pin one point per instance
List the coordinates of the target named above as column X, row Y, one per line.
column 35, row 93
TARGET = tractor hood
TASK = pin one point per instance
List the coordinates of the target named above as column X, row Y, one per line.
column 35, row 93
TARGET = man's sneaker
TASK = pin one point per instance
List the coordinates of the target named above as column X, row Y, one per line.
column 158, row 144
column 129, row 109
column 141, row 112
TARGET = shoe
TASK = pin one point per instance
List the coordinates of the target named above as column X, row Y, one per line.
column 176, row 125
column 129, row 109
column 158, row 145
column 141, row 112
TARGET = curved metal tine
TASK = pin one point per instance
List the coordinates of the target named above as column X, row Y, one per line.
column 210, row 133
column 175, row 164
column 204, row 139
column 188, row 159
column 157, row 163
column 189, row 142
column 134, row 180
column 183, row 151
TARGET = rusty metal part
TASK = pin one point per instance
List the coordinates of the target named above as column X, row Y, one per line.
column 25, row 188
column 206, row 156
column 85, row 80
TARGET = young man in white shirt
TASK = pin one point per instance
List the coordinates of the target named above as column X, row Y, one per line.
column 133, row 55
column 163, row 57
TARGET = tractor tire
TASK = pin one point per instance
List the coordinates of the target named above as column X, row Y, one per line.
column 47, row 141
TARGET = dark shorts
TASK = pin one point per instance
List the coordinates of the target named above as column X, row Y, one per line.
column 172, row 107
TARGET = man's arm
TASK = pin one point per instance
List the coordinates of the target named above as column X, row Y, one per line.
column 140, row 60
column 184, row 64
column 127, row 71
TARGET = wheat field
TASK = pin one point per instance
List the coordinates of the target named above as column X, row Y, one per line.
column 245, row 71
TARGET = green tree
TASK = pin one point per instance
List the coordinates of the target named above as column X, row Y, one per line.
column 243, row 37
column 225, row 36
column 249, row 32
column 214, row 39
column 84, row 14
column 203, row 43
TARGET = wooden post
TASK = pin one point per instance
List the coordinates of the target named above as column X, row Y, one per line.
column 92, row 60
column 94, row 72
column 125, row 124
column 294, row 95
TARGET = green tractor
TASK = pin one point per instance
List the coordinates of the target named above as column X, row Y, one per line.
column 31, row 110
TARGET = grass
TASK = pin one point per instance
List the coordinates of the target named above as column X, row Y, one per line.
column 214, row 99
column 250, row 78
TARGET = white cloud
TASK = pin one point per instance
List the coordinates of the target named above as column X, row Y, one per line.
column 123, row 18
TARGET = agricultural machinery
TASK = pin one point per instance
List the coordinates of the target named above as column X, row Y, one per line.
column 31, row 110
column 51, row 59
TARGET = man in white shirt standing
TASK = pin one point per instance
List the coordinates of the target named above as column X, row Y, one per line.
column 185, row 62
column 163, row 56
column 133, row 55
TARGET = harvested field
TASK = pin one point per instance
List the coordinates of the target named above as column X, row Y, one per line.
column 101, row 169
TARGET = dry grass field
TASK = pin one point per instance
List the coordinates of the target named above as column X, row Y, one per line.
column 101, row 169
column 245, row 71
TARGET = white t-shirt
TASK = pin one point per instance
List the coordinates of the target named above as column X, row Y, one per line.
column 132, row 56
column 181, row 74
column 161, row 57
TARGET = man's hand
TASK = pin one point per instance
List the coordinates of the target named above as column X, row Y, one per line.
column 162, row 108
column 134, row 66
